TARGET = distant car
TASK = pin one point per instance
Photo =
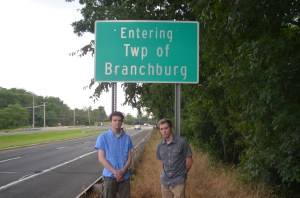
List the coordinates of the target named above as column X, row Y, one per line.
column 137, row 127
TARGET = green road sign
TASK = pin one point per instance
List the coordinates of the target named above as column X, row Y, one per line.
column 147, row 51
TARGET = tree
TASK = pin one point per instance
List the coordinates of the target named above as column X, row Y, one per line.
column 13, row 116
column 101, row 114
column 251, row 85
column 13, row 96
column 57, row 112
column 129, row 119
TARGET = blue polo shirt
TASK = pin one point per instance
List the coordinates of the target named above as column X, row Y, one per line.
column 116, row 151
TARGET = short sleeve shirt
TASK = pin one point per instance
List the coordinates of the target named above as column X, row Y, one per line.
column 173, row 156
column 116, row 151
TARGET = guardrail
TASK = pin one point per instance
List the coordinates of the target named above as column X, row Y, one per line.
column 97, row 186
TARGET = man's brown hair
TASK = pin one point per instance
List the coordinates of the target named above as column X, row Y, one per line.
column 164, row 120
column 116, row 113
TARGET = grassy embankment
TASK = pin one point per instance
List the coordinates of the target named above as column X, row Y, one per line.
column 22, row 140
column 205, row 179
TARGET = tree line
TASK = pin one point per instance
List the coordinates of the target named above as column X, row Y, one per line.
column 16, row 111
column 245, row 109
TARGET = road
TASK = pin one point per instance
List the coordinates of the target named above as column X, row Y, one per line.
column 61, row 169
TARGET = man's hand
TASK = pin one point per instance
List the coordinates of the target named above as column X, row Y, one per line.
column 119, row 175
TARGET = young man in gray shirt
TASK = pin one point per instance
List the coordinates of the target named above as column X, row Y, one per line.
column 175, row 157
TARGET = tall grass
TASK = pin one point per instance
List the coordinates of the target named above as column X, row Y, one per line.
column 204, row 180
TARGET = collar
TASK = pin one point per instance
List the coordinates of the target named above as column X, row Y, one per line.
column 112, row 133
column 175, row 139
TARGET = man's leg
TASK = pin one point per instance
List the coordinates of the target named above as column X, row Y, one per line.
column 110, row 187
column 166, row 192
column 179, row 191
column 124, row 188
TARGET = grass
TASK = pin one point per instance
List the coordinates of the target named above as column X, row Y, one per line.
column 22, row 140
column 204, row 180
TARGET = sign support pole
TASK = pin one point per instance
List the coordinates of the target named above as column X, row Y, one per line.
column 114, row 97
column 177, row 108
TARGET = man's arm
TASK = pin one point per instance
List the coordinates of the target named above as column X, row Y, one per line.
column 188, row 163
column 160, row 163
column 104, row 162
column 127, row 164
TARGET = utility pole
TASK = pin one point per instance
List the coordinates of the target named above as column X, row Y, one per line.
column 74, row 118
column 89, row 116
column 44, row 114
column 32, row 111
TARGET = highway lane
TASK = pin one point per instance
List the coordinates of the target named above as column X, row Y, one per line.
column 61, row 169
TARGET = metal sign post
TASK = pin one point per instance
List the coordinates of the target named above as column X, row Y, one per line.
column 114, row 97
column 177, row 108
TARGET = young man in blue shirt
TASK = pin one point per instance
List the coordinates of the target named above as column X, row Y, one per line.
column 114, row 152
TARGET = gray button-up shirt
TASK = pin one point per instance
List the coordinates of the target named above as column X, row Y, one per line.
column 173, row 156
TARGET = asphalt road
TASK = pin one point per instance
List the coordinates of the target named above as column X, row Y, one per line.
column 61, row 169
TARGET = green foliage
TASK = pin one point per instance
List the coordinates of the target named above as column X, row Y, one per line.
column 14, row 96
column 16, row 111
column 251, row 84
column 155, row 99
column 13, row 116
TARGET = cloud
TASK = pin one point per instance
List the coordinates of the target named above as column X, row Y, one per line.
column 36, row 39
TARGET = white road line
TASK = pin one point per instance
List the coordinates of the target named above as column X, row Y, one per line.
column 7, row 172
column 136, row 133
column 10, row 159
column 62, row 147
column 28, row 175
column 44, row 171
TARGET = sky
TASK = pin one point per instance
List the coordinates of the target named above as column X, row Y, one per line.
column 36, row 39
